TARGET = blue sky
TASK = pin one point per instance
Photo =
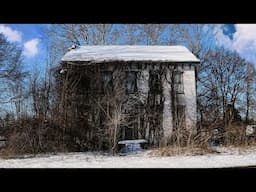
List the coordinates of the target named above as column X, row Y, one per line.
column 238, row 37
column 29, row 37
column 229, row 30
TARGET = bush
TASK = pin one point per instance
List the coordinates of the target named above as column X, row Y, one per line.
column 234, row 135
column 32, row 136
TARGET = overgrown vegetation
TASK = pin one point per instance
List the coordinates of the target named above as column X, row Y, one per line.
column 38, row 107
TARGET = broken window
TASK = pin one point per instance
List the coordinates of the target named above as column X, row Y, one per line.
column 181, row 116
column 131, row 82
column 178, row 82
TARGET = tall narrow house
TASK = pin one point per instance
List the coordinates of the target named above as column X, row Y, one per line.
column 133, row 92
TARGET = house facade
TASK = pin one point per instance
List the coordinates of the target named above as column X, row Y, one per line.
column 134, row 92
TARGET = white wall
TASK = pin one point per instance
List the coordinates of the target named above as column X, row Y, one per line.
column 167, row 112
column 190, row 96
column 188, row 99
column 143, row 86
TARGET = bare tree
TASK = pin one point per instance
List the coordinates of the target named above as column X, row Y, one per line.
column 250, row 90
column 194, row 37
column 225, row 80
column 62, row 36
column 151, row 33
column 11, row 73
column 101, row 34
column 130, row 34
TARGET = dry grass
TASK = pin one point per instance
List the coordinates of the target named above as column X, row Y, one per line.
column 175, row 150
column 188, row 151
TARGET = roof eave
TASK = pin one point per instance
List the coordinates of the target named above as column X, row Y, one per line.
column 151, row 61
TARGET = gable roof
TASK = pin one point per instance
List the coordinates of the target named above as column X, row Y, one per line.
column 130, row 53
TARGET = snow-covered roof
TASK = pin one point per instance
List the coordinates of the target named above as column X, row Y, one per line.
column 130, row 53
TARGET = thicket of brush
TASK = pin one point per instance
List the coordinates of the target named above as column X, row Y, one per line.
column 33, row 136
column 205, row 140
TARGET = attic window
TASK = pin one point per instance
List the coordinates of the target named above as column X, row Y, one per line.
column 131, row 82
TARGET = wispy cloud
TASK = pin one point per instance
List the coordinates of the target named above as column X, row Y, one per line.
column 31, row 48
column 245, row 36
column 244, row 40
column 11, row 35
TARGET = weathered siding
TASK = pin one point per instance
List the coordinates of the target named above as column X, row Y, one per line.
column 167, row 110
column 190, row 96
column 143, row 86
column 188, row 99
column 149, row 112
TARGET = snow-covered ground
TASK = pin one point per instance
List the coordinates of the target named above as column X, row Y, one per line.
column 227, row 158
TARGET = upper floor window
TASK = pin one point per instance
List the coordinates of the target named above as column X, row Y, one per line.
column 131, row 82
column 155, row 82
column 178, row 82
column 107, row 81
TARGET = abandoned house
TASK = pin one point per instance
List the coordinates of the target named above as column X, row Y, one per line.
column 128, row 92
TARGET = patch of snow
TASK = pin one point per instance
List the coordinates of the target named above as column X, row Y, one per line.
column 130, row 53
column 229, row 157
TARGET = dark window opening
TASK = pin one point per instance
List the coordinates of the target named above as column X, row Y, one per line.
column 131, row 82
column 155, row 89
column 178, row 83
column 155, row 100
column 84, row 85
column 107, row 81
column 155, row 83
column 128, row 132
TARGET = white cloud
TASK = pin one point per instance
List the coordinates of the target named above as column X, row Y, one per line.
column 245, row 36
column 244, row 40
column 11, row 35
column 31, row 47
column 222, row 40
